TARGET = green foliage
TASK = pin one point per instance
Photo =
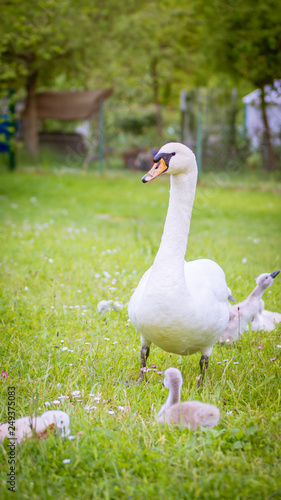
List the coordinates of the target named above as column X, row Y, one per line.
column 48, row 39
column 243, row 39
column 58, row 233
column 156, row 46
column 158, row 59
column 136, row 123
column 147, row 50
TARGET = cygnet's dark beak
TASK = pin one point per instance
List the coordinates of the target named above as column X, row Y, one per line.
column 231, row 298
column 273, row 275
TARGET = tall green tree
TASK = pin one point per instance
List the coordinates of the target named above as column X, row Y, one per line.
column 243, row 39
column 42, row 39
column 155, row 49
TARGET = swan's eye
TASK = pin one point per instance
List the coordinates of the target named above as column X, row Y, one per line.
column 173, row 154
column 266, row 277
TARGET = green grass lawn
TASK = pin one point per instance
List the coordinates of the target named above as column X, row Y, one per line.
column 69, row 241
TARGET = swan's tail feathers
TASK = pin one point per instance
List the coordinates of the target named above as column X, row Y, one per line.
column 208, row 415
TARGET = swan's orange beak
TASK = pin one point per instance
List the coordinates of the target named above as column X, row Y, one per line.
column 157, row 169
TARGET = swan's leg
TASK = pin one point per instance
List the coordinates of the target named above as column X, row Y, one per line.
column 204, row 362
column 144, row 355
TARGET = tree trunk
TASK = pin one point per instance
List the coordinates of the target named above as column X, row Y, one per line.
column 30, row 115
column 267, row 135
column 155, row 89
column 232, row 147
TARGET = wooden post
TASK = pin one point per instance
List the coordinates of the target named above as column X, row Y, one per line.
column 199, row 135
column 232, row 123
column 245, row 128
column 155, row 78
column 101, row 138
column 30, row 115
column 187, row 118
column 267, row 139
column 183, row 110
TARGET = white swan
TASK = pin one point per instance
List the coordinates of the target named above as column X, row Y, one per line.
column 189, row 413
column 265, row 320
column 182, row 307
column 245, row 311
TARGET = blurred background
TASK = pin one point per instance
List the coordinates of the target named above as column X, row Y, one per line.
column 101, row 84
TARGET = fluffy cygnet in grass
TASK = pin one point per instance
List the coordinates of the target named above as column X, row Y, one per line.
column 53, row 421
column 189, row 413
column 242, row 313
column 265, row 320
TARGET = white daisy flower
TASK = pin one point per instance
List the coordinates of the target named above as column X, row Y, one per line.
column 75, row 393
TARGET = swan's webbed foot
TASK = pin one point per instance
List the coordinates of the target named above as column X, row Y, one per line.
column 204, row 362
column 144, row 356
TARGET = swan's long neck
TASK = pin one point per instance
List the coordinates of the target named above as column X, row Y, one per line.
column 256, row 294
column 172, row 249
column 174, row 396
column 253, row 300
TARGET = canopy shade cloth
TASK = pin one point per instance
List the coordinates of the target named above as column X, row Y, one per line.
column 70, row 105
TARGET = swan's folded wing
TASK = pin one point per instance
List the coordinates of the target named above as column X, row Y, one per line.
column 137, row 295
column 206, row 274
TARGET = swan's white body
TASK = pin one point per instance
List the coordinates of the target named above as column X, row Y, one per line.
column 182, row 307
column 265, row 320
column 183, row 316
column 189, row 413
column 242, row 313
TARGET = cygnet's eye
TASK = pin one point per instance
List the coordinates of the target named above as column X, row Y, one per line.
column 266, row 277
